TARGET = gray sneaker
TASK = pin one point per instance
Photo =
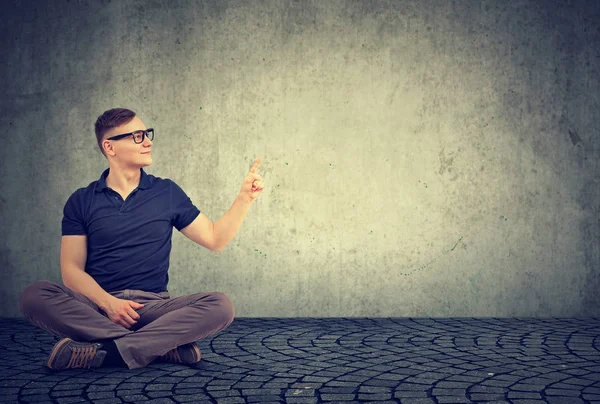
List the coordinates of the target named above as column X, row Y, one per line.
column 187, row 354
column 69, row 354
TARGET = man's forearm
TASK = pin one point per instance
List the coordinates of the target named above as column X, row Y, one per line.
column 226, row 227
column 81, row 282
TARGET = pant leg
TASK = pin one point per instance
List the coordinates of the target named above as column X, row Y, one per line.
column 170, row 322
column 66, row 313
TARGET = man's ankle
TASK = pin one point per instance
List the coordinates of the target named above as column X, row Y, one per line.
column 113, row 357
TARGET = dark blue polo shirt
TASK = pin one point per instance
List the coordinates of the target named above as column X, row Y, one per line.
column 129, row 242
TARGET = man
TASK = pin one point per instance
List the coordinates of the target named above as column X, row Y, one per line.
column 114, row 306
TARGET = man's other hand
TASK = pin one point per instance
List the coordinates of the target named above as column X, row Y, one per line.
column 122, row 312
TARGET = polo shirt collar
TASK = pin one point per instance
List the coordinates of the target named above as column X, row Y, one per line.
column 145, row 180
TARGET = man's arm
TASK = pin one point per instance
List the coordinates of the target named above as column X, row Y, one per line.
column 215, row 236
column 73, row 256
column 227, row 226
column 201, row 232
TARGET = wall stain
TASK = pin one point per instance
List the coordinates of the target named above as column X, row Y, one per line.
column 445, row 163
column 482, row 227
column 574, row 137
column 456, row 243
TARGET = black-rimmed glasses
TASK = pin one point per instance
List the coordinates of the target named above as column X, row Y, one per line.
column 138, row 135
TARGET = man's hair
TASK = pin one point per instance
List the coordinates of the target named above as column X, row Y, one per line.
column 111, row 119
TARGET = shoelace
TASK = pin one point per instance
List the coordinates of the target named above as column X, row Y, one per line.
column 172, row 356
column 81, row 357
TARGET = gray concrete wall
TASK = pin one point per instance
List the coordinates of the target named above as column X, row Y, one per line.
column 421, row 158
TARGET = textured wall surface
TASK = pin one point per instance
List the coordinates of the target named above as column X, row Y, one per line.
column 421, row 158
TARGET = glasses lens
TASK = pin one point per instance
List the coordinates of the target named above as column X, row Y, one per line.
column 138, row 136
column 150, row 134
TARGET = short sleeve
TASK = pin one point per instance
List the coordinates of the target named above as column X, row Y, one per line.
column 183, row 210
column 72, row 222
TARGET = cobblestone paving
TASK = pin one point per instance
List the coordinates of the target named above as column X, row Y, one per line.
column 309, row 360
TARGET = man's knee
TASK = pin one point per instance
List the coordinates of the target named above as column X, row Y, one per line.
column 32, row 294
column 226, row 306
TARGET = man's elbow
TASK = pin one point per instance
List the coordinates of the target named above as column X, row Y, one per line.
column 218, row 247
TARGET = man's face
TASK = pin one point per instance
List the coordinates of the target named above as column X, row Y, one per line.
column 126, row 149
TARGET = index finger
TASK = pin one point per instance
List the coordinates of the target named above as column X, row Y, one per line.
column 256, row 164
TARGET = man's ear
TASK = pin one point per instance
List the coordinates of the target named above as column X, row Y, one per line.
column 107, row 146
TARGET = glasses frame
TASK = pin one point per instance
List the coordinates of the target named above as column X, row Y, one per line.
column 144, row 134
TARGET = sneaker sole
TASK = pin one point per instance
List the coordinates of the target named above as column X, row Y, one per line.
column 197, row 351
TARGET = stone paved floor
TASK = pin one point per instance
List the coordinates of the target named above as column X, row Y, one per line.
column 309, row 360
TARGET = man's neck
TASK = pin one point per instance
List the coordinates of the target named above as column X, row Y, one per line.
column 123, row 179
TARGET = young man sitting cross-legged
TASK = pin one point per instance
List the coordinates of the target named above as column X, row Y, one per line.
column 114, row 307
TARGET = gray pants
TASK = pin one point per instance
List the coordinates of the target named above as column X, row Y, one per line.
column 165, row 323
